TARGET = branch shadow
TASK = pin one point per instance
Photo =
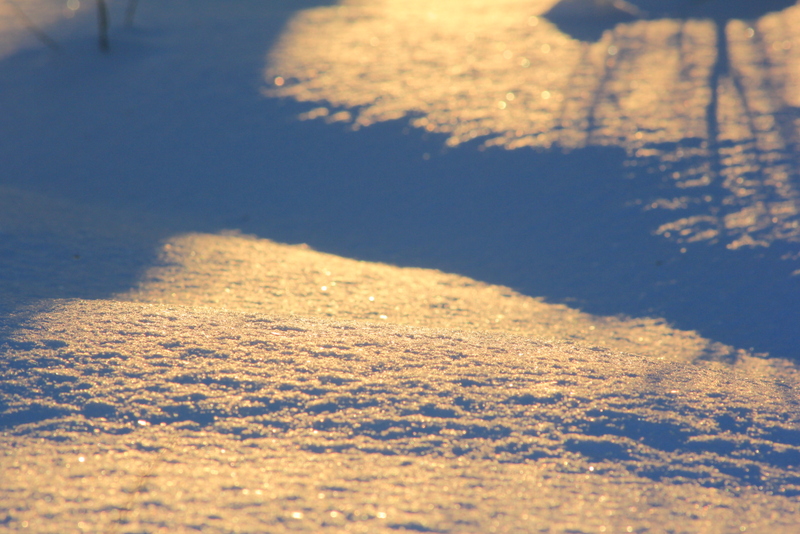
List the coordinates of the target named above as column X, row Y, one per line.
column 588, row 20
column 564, row 225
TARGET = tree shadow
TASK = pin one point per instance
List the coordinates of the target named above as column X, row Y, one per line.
column 564, row 225
column 542, row 222
column 748, row 169
column 62, row 237
column 588, row 20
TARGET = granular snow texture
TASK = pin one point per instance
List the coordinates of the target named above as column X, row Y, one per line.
column 129, row 417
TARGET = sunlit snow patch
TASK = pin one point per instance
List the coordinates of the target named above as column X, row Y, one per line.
column 175, row 405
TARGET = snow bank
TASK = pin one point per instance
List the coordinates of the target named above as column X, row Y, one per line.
column 122, row 409
column 245, row 273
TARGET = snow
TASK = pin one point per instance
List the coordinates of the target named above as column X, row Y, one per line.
column 168, row 363
column 245, row 419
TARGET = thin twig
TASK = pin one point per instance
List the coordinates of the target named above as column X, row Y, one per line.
column 130, row 13
column 33, row 28
column 102, row 25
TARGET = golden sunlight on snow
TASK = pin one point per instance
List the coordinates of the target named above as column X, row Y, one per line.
column 722, row 133
column 126, row 416
column 248, row 274
column 158, row 379
column 267, row 387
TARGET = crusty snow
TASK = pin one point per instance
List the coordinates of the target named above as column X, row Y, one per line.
column 168, row 364
column 159, row 417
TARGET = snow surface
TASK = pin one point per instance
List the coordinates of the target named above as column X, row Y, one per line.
column 120, row 413
column 166, row 364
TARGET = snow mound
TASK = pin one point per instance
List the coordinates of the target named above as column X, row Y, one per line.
column 245, row 273
column 160, row 378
